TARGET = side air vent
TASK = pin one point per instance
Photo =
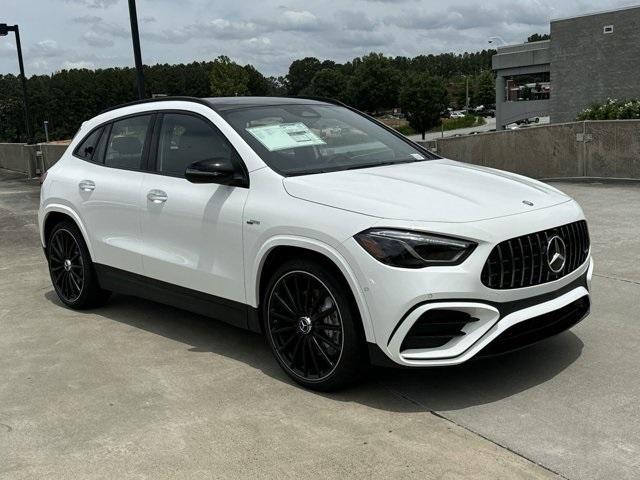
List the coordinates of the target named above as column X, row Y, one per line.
column 436, row 328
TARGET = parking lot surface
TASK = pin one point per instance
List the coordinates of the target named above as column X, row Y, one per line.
column 139, row 390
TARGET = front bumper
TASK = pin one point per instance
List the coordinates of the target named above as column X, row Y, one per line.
column 500, row 327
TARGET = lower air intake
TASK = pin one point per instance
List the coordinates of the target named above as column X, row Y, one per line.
column 436, row 328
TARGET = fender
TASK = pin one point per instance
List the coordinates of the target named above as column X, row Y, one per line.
column 253, row 276
column 58, row 207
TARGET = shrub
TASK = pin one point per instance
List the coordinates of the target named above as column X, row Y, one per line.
column 612, row 109
column 466, row 122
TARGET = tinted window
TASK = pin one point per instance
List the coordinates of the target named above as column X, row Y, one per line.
column 88, row 146
column 98, row 154
column 185, row 139
column 126, row 142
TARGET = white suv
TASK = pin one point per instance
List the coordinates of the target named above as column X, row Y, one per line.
column 340, row 240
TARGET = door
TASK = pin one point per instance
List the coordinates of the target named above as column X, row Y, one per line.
column 108, row 186
column 192, row 233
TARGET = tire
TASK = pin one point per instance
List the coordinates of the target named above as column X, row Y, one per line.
column 71, row 269
column 312, row 326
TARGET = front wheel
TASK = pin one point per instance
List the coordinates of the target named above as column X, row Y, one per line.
column 310, row 324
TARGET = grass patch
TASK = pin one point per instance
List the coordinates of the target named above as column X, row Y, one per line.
column 405, row 129
column 467, row 121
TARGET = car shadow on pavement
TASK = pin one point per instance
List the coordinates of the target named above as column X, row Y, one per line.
column 403, row 390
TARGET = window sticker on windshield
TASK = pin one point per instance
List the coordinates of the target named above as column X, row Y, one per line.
column 417, row 156
column 285, row 135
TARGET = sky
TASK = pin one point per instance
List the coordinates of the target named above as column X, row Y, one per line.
column 269, row 34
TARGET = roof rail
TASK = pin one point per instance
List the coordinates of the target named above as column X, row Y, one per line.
column 157, row 99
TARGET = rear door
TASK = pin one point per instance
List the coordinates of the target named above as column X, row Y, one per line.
column 108, row 186
column 191, row 233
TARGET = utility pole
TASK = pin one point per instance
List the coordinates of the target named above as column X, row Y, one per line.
column 135, row 37
column 4, row 31
column 467, row 97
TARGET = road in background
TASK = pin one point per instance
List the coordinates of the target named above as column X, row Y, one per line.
column 490, row 125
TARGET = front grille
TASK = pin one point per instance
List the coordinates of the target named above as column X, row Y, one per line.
column 538, row 328
column 522, row 261
column 436, row 328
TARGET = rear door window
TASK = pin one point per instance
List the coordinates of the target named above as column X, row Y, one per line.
column 126, row 143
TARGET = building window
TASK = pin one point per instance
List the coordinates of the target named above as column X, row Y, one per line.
column 535, row 86
column 607, row 29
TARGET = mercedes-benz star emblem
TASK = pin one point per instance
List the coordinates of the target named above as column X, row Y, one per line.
column 556, row 254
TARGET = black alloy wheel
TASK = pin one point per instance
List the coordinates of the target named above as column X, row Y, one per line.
column 71, row 268
column 305, row 325
column 66, row 265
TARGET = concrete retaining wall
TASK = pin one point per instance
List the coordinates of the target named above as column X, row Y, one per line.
column 15, row 156
column 580, row 149
column 30, row 159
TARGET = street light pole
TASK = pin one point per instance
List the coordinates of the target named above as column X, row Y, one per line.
column 135, row 37
column 4, row 30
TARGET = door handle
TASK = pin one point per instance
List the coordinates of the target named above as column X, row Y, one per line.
column 87, row 186
column 157, row 196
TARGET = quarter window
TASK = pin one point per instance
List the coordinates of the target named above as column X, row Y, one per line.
column 88, row 146
column 185, row 139
column 126, row 143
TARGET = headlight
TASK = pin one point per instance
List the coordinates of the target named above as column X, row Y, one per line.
column 406, row 249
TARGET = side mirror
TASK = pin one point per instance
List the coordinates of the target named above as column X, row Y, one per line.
column 216, row 170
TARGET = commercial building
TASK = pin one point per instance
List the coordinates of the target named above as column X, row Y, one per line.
column 589, row 58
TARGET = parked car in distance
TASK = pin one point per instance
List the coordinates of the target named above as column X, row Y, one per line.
column 338, row 239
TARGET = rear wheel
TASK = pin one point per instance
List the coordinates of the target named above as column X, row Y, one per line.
column 310, row 324
column 71, row 268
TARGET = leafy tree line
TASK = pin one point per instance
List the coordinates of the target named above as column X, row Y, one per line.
column 424, row 86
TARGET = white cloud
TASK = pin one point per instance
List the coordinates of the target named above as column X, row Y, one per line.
column 269, row 33
column 94, row 39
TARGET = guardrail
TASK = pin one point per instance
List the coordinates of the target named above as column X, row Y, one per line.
column 603, row 149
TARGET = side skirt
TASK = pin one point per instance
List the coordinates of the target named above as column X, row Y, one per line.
column 229, row 311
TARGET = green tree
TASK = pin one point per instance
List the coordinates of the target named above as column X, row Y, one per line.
column 257, row 84
column 227, row 78
column 329, row 83
column 422, row 100
column 484, row 89
column 374, row 85
column 537, row 37
column 300, row 74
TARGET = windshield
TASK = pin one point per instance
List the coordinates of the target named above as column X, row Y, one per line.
column 303, row 139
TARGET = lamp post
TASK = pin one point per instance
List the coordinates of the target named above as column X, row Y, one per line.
column 4, row 31
column 135, row 37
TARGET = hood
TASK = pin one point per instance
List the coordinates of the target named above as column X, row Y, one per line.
column 431, row 191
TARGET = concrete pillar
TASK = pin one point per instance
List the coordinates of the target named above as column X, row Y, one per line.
column 500, row 85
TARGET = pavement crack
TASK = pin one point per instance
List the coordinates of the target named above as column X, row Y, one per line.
column 626, row 280
column 498, row 444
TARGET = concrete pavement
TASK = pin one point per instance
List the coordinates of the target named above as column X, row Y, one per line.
column 140, row 390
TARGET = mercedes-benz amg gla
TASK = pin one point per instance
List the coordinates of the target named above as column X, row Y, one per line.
column 340, row 240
